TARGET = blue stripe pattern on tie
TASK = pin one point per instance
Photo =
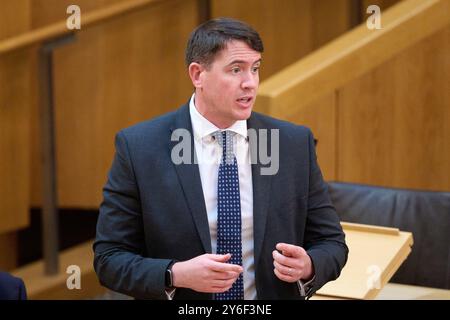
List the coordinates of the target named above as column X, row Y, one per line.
column 229, row 212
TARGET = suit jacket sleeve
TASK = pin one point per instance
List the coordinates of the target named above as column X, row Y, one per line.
column 119, row 247
column 324, row 238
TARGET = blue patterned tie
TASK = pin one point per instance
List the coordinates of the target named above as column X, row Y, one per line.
column 229, row 212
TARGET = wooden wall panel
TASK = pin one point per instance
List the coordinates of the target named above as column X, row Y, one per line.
column 394, row 122
column 117, row 74
column 14, row 17
column 14, row 120
column 320, row 117
column 14, row 140
column 45, row 12
column 330, row 18
column 290, row 29
column 8, row 251
column 383, row 4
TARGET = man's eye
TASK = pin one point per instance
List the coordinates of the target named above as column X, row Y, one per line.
column 235, row 70
column 255, row 69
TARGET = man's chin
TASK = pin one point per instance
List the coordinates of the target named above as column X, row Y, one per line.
column 243, row 114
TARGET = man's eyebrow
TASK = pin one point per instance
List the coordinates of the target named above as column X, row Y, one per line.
column 242, row 62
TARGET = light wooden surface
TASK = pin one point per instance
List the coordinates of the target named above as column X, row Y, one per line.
column 349, row 226
column 14, row 121
column 352, row 55
column 40, row 286
column 394, row 122
column 290, row 28
column 374, row 253
column 396, row 291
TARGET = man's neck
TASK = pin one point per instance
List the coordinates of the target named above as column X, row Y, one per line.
column 201, row 108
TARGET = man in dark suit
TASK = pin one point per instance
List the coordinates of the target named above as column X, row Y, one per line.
column 11, row 288
column 191, row 211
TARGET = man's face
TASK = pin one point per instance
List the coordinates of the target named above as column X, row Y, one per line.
column 228, row 87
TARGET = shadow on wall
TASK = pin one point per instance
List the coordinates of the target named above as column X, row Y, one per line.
column 76, row 227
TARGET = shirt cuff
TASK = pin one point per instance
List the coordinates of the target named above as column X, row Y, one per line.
column 170, row 293
column 305, row 287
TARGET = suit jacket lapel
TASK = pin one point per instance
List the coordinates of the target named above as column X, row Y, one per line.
column 261, row 192
column 189, row 177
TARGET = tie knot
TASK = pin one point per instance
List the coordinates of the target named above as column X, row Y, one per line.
column 225, row 140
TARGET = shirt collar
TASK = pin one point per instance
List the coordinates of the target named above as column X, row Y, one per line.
column 202, row 127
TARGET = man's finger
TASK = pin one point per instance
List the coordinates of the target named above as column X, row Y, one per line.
column 225, row 267
column 282, row 259
column 220, row 257
column 223, row 283
column 219, row 289
column 283, row 277
column 290, row 250
column 287, row 271
column 225, row 275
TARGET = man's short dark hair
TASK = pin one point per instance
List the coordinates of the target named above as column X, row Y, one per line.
column 212, row 36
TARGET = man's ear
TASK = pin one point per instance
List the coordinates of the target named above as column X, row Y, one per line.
column 195, row 72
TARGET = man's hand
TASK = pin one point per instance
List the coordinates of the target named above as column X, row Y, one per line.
column 206, row 273
column 292, row 264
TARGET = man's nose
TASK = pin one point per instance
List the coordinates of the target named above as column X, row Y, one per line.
column 250, row 81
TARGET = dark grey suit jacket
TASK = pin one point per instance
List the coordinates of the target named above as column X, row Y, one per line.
column 154, row 211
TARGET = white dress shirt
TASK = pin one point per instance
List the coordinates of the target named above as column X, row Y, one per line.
column 209, row 154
